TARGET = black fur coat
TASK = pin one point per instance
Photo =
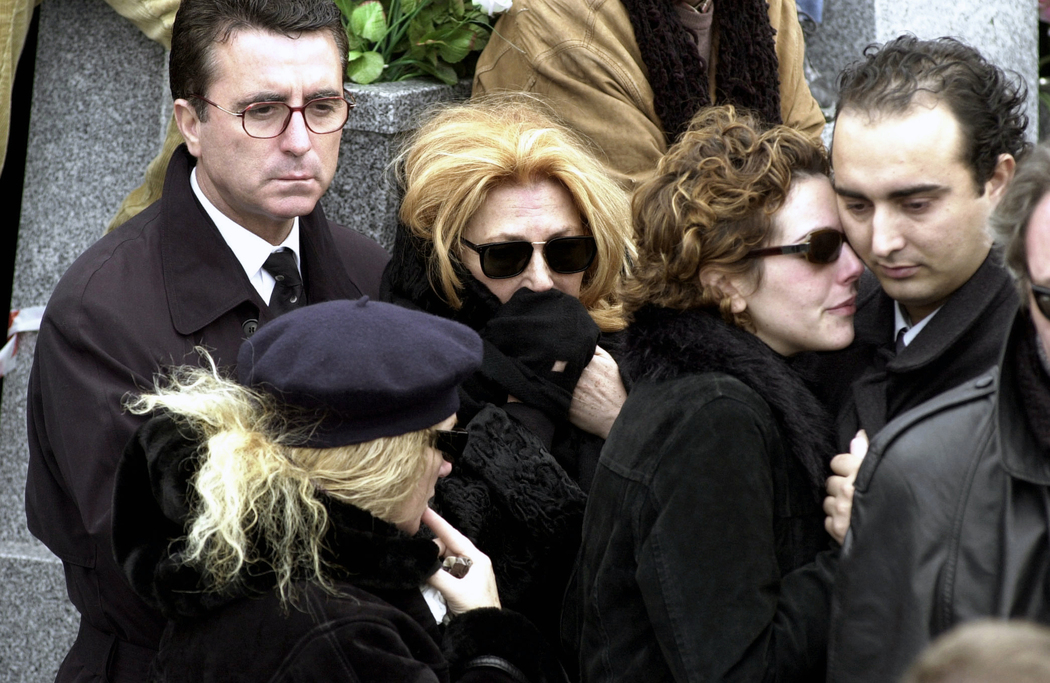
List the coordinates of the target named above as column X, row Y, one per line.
column 519, row 490
column 377, row 626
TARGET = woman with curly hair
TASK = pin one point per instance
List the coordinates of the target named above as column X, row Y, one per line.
column 273, row 520
column 704, row 519
column 512, row 228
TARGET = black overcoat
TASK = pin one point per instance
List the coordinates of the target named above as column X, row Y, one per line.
column 139, row 300
column 871, row 384
column 701, row 557
column 373, row 625
column 950, row 519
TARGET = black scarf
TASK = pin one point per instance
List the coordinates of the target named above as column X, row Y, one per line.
column 747, row 76
column 663, row 343
column 522, row 337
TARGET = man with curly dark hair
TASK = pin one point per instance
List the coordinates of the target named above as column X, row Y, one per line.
column 927, row 134
column 950, row 518
column 927, row 137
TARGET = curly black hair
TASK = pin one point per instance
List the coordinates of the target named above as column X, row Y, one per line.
column 987, row 101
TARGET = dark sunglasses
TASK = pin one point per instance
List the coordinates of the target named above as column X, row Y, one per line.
column 500, row 260
column 451, row 443
column 823, row 246
column 1042, row 299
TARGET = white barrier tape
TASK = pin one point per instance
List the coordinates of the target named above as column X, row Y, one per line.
column 24, row 320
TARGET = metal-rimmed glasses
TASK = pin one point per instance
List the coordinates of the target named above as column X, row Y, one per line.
column 264, row 120
column 822, row 247
column 565, row 255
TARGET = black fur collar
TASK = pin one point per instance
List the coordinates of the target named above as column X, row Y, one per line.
column 662, row 343
column 151, row 505
column 406, row 283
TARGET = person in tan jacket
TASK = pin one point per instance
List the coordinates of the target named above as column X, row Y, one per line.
column 621, row 71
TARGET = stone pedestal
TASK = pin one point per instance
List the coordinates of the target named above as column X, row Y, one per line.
column 1005, row 31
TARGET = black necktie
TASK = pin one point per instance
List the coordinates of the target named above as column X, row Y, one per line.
column 288, row 289
column 900, row 339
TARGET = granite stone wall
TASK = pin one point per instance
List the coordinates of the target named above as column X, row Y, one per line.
column 98, row 115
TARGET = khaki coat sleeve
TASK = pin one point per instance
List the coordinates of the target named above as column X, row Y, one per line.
column 798, row 107
column 581, row 58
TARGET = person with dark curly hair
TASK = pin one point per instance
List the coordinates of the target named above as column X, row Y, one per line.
column 703, row 534
column 950, row 521
column 927, row 133
column 927, row 137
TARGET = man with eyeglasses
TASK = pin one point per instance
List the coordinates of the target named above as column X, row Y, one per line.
column 236, row 239
column 963, row 481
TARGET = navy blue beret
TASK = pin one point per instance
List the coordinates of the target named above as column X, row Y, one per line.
column 369, row 369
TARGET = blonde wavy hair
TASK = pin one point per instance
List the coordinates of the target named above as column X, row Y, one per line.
column 463, row 152
column 712, row 201
column 257, row 492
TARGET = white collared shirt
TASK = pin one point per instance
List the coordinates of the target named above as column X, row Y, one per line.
column 901, row 321
column 250, row 249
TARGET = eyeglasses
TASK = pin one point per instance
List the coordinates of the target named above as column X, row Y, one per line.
column 823, row 246
column 265, row 120
column 1042, row 299
column 451, row 443
column 500, row 260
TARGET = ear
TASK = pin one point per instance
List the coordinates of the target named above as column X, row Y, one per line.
column 727, row 284
column 189, row 125
column 1001, row 177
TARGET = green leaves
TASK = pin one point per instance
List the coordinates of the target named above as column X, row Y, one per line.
column 391, row 40
column 364, row 67
column 368, row 20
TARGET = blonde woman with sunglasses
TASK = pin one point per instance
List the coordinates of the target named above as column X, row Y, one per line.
column 510, row 226
column 275, row 520
column 704, row 519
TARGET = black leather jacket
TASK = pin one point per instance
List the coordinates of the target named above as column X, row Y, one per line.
column 950, row 523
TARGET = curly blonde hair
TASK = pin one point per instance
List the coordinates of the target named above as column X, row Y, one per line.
column 256, row 502
column 712, row 201
column 463, row 152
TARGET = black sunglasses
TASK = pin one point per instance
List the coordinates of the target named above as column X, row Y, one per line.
column 823, row 246
column 1042, row 299
column 451, row 443
column 500, row 260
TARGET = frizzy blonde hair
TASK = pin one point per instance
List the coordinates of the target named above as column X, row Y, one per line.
column 254, row 500
column 712, row 201
column 463, row 152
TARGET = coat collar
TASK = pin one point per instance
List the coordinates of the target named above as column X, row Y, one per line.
column 664, row 343
column 964, row 310
column 193, row 252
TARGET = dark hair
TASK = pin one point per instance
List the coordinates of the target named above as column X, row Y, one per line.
column 712, row 201
column 199, row 24
column 987, row 102
column 1009, row 222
